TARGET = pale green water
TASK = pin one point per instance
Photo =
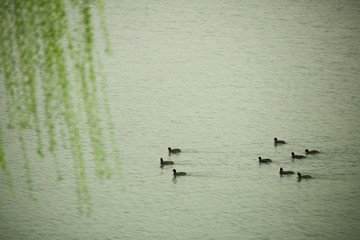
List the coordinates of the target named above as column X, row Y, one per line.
column 220, row 80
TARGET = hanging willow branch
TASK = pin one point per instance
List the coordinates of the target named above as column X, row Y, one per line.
column 47, row 54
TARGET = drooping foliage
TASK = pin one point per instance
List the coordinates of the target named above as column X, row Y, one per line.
column 50, row 75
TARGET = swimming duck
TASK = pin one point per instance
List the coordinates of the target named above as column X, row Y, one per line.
column 178, row 173
column 297, row 156
column 285, row 172
column 303, row 176
column 162, row 162
column 176, row 150
column 311, row 152
column 265, row 160
column 276, row 141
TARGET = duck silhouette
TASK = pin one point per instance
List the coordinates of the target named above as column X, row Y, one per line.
column 178, row 173
column 176, row 150
column 285, row 172
column 265, row 160
column 311, row 152
column 162, row 162
column 293, row 155
column 276, row 141
column 303, row 176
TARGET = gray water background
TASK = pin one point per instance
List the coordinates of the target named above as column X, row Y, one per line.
column 220, row 80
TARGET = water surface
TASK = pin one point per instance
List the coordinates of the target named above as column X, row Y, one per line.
column 220, row 80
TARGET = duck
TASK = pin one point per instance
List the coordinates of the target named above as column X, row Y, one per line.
column 265, row 160
column 162, row 162
column 303, row 176
column 285, row 172
column 276, row 141
column 311, row 152
column 178, row 173
column 176, row 150
column 297, row 156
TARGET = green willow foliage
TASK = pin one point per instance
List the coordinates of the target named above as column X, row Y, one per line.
column 49, row 66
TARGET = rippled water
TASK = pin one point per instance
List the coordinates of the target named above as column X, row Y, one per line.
column 220, row 80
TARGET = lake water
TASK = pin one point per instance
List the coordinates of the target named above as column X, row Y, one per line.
column 218, row 79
